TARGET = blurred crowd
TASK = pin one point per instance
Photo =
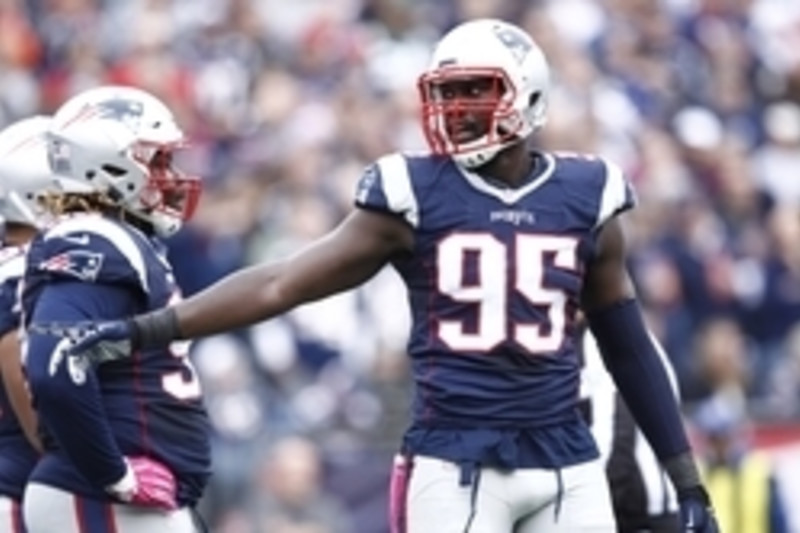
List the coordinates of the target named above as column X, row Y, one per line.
column 287, row 101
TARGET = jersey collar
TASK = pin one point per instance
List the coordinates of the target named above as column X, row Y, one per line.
column 509, row 195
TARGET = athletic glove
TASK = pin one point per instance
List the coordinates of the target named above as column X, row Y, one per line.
column 146, row 483
column 697, row 515
column 98, row 342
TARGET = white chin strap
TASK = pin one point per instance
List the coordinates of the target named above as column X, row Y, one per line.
column 473, row 158
column 165, row 225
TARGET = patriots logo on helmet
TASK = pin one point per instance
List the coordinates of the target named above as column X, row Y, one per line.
column 514, row 40
column 120, row 108
column 81, row 264
column 125, row 110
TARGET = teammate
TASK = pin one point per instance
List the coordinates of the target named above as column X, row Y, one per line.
column 127, row 444
column 499, row 245
column 643, row 498
column 25, row 177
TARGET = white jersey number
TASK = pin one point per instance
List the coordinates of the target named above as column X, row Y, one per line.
column 182, row 384
column 502, row 273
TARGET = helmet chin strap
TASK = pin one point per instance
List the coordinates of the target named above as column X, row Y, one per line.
column 164, row 225
column 481, row 156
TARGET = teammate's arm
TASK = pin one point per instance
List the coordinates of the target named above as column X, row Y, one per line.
column 16, row 387
column 629, row 354
column 349, row 255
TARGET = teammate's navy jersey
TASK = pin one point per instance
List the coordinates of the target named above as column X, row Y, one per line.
column 17, row 456
column 90, row 267
column 494, row 283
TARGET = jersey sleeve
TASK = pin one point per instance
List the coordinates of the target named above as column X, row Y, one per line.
column 617, row 193
column 11, row 271
column 64, row 388
column 90, row 250
column 9, row 306
column 386, row 186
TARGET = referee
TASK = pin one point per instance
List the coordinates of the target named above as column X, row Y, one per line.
column 642, row 495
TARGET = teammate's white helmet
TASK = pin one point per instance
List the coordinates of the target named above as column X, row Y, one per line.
column 118, row 142
column 25, row 174
column 494, row 51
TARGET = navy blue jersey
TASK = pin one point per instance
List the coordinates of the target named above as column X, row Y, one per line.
column 17, row 456
column 494, row 282
column 90, row 268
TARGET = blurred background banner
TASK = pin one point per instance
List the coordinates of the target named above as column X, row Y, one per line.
column 286, row 102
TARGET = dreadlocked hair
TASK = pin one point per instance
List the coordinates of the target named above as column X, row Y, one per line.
column 93, row 202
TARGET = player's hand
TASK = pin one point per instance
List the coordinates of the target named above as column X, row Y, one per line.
column 697, row 515
column 96, row 341
column 147, row 483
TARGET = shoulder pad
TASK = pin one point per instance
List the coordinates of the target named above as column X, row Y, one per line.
column 597, row 187
column 618, row 194
column 386, row 185
column 92, row 248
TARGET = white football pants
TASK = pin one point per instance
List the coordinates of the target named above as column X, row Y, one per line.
column 51, row 510
column 10, row 515
column 426, row 497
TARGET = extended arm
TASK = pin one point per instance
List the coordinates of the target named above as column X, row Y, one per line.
column 352, row 253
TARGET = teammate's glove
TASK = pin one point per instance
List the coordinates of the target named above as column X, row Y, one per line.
column 147, row 483
column 697, row 515
column 96, row 341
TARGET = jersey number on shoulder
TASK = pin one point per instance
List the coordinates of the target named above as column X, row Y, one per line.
column 497, row 281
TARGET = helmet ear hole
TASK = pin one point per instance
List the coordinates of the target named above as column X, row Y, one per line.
column 114, row 170
column 534, row 98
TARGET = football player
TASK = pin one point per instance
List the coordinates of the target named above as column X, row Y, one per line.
column 25, row 177
column 126, row 445
column 499, row 245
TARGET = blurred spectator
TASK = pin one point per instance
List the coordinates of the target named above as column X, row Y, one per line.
column 774, row 162
column 286, row 496
column 722, row 359
column 740, row 481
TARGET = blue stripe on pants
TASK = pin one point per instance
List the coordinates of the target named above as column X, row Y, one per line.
column 94, row 516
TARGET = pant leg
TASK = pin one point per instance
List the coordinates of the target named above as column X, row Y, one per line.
column 584, row 504
column 51, row 510
column 436, row 501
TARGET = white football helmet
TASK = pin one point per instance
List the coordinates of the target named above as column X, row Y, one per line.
column 493, row 51
column 118, row 142
column 25, row 174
